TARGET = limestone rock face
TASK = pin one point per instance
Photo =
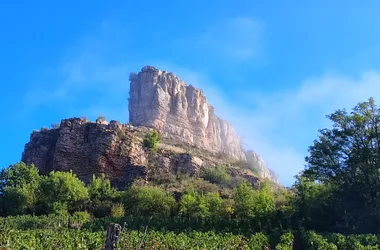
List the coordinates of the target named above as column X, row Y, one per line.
column 113, row 148
column 86, row 149
column 162, row 101
column 192, row 137
column 256, row 162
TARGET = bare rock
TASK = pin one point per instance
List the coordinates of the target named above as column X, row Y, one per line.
column 162, row 101
column 257, row 163
column 88, row 148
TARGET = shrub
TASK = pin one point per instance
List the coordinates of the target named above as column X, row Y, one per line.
column 81, row 217
column 259, row 241
column 286, row 242
column 216, row 175
column 117, row 210
column 151, row 140
column 200, row 185
column 314, row 241
column 59, row 208
column 149, row 201
column 100, row 119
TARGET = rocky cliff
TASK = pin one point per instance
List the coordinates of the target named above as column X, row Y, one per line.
column 258, row 165
column 161, row 100
column 116, row 150
column 193, row 137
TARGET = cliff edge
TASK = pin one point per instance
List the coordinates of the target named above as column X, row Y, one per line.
column 161, row 100
column 192, row 138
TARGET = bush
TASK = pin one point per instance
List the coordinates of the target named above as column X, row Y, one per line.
column 117, row 210
column 151, row 140
column 59, row 208
column 81, row 217
column 200, row 185
column 259, row 241
column 286, row 242
column 353, row 242
column 216, row 175
column 149, row 201
column 100, row 119
column 314, row 241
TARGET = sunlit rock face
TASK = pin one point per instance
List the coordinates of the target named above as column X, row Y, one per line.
column 161, row 100
column 256, row 162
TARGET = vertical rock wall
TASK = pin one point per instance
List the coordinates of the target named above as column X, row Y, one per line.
column 161, row 100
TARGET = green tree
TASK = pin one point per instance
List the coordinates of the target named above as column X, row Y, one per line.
column 100, row 189
column 151, row 140
column 18, row 185
column 347, row 157
column 149, row 201
column 216, row 213
column 254, row 208
column 244, row 202
column 216, row 175
column 63, row 189
column 194, row 207
column 102, row 196
column 312, row 204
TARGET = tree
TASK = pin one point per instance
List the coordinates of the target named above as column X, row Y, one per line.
column 102, row 196
column 149, row 201
column 63, row 189
column 244, row 202
column 194, row 207
column 99, row 189
column 151, row 140
column 254, row 208
column 216, row 175
column 18, row 185
column 347, row 157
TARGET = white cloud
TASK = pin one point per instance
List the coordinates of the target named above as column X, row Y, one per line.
column 280, row 126
column 237, row 38
column 283, row 125
column 86, row 81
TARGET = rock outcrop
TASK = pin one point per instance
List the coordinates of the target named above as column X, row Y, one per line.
column 114, row 149
column 162, row 101
column 88, row 148
column 258, row 165
column 193, row 137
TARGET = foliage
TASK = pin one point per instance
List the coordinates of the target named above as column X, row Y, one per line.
column 254, row 207
column 18, row 185
column 100, row 119
column 117, row 210
column 313, row 241
column 200, row 185
column 338, row 194
column 83, row 239
column 286, row 242
column 81, row 216
column 216, row 175
column 193, row 206
column 99, row 189
column 148, row 201
column 259, row 241
column 346, row 160
column 151, row 140
column 63, row 189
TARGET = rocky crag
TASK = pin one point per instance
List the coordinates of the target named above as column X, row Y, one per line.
column 161, row 100
column 193, row 138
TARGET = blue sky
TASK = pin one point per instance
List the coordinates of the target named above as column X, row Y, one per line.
column 274, row 69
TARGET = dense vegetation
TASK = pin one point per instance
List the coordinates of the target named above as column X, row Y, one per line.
column 334, row 204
